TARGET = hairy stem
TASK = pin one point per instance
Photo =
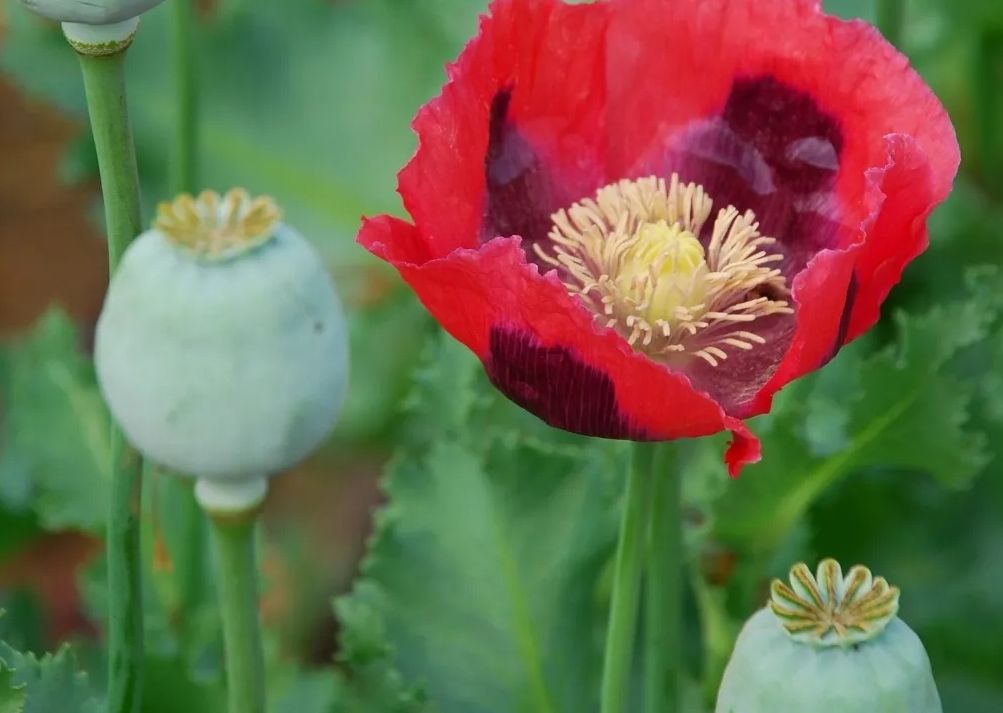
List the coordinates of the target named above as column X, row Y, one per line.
column 236, row 581
column 630, row 550
column 104, row 84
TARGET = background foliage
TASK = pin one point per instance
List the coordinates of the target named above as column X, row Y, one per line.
column 485, row 585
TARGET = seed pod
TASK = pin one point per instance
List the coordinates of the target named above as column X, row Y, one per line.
column 221, row 348
column 829, row 643
column 90, row 12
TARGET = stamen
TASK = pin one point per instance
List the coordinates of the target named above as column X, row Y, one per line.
column 633, row 254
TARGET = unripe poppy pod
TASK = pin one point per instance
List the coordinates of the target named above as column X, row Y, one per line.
column 829, row 643
column 221, row 348
column 90, row 12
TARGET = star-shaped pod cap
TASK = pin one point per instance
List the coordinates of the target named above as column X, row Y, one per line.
column 829, row 641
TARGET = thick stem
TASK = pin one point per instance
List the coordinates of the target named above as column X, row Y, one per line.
column 630, row 549
column 236, row 580
column 890, row 16
column 125, row 583
column 104, row 83
column 185, row 167
column 663, row 587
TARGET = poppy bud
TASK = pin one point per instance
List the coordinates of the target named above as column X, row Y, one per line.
column 221, row 348
column 90, row 12
column 829, row 643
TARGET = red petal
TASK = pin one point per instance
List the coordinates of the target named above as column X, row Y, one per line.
column 897, row 233
column 561, row 367
column 691, row 51
column 897, row 158
column 549, row 56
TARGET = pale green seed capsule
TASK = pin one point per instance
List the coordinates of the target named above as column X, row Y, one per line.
column 829, row 643
column 90, row 12
column 221, row 348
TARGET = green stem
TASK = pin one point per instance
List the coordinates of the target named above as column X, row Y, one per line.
column 630, row 549
column 104, row 84
column 190, row 564
column 890, row 16
column 663, row 588
column 185, row 167
column 718, row 632
column 236, row 579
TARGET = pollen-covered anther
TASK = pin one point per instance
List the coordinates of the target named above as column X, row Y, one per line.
column 634, row 254
column 827, row 609
column 218, row 227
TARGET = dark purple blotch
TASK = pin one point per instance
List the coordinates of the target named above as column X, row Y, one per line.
column 520, row 196
column 772, row 150
column 557, row 386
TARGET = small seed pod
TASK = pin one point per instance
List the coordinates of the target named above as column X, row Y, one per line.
column 221, row 348
column 829, row 643
column 90, row 12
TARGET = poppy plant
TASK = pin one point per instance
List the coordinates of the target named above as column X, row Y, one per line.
column 648, row 216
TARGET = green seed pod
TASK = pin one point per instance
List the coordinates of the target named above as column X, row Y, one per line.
column 90, row 12
column 221, row 348
column 829, row 643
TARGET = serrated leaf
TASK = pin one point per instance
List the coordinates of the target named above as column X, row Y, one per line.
column 495, row 559
column 904, row 408
column 56, row 429
column 50, row 684
column 11, row 695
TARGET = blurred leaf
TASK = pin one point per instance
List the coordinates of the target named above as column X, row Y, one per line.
column 309, row 692
column 904, row 408
column 55, row 431
column 11, row 696
column 376, row 685
column 50, row 684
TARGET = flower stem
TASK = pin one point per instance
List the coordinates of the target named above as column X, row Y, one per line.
column 718, row 632
column 663, row 587
column 185, row 167
column 104, row 84
column 190, row 563
column 630, row 549
column 236, row 580
column 890, row 16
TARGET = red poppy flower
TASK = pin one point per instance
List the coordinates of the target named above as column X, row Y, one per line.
column 646, row 217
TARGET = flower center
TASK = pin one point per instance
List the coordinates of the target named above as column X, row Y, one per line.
column 828, row 609
column 634, row 255
column 218, row 228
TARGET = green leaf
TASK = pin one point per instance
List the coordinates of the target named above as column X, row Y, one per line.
column 906, row 408
column 309, row 692
column 50, row 684
column 495, row 560
column 56, row 429
column 11, row 696
column 481, row 581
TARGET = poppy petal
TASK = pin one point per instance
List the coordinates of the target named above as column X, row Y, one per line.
column 823, row 129
column 516, row 132
column 540, row 347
